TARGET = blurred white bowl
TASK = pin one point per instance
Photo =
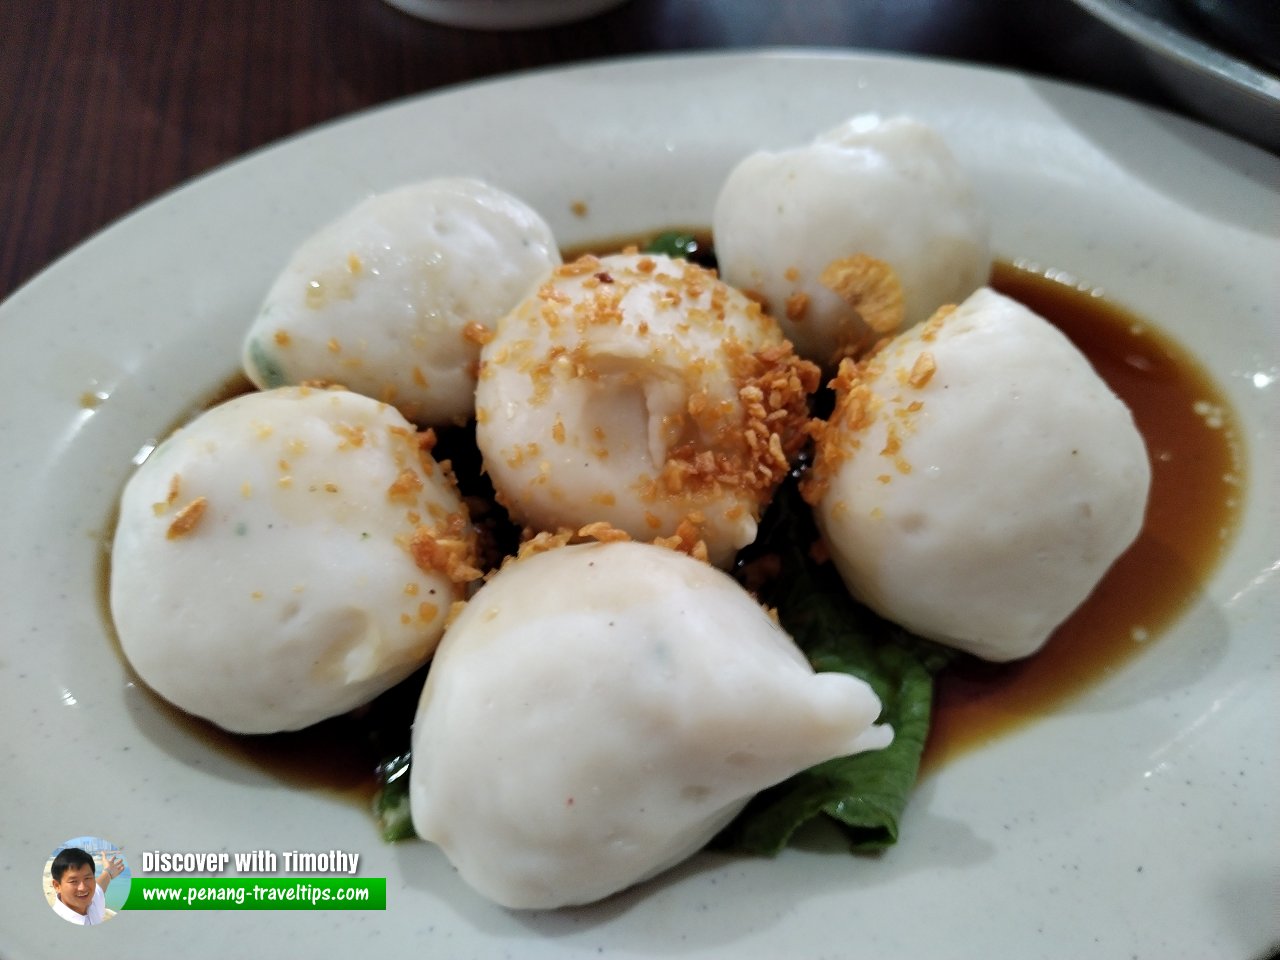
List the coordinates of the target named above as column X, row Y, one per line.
column 503, row 14
column 1228, row 92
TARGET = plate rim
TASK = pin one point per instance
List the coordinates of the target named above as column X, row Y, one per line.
column 12, row 305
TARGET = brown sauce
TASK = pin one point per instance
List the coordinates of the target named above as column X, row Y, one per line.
column 1197, row 476
column 1196, row 493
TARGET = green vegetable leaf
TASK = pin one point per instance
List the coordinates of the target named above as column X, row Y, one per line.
column 391, row 802
column 266, row 364
column 387, row 723
column 866, row 793
column 673, row 243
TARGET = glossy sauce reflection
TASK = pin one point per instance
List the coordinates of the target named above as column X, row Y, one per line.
column 1196, row 494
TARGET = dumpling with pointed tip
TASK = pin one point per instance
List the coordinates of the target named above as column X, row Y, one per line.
column 598, row 712
column 394, row 299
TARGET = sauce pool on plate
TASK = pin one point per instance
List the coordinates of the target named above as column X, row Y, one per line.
column 1194, row 505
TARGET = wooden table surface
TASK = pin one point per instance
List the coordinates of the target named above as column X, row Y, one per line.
column 107, row 104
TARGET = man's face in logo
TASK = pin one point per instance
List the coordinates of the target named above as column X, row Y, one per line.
column 76, row 888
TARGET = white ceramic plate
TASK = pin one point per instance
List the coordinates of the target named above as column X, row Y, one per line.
column 1137, row 820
